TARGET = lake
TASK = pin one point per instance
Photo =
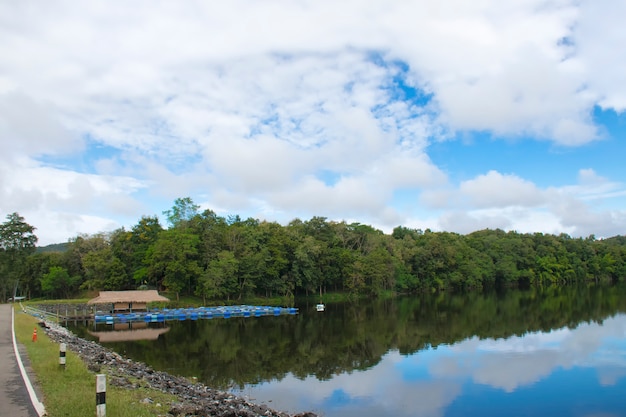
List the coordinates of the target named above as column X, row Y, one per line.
column 550, row 351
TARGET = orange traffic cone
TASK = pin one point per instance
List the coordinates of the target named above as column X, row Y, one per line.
column 35, row 335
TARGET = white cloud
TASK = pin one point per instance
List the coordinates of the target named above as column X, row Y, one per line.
column 27, row 126
column 55, row 200
column 508, row 202
column 519, row 361
column 496, row 190
column 601, row 52
column 320, row 108
column 375, row 391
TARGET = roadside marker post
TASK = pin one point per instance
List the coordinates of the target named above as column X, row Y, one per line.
column 101, row 388
column 62, row 349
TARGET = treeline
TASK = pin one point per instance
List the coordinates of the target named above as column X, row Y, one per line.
column 216, row 257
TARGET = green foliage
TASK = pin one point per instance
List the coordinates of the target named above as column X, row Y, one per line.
column 233, row 258
column 58, row 283
column 16, row 235
column 17, row 242
column 172, row 261
column 182, row 212
column 220, row 278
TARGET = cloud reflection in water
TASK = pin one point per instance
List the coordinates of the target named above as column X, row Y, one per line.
column 474, row 375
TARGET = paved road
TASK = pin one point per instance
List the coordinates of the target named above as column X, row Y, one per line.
column 14, row 398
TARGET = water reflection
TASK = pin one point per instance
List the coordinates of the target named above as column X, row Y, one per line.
column 127, row 332
column 566, row 372
column 515, row 353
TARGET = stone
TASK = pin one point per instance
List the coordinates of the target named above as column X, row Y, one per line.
column 195, row 399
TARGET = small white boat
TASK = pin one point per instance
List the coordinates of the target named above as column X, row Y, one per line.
column 320, row 307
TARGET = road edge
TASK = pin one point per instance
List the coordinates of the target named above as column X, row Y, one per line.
column 38, row 405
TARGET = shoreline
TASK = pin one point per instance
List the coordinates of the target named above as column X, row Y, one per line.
column 195, row 399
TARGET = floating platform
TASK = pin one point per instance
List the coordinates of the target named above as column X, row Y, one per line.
column 163, row 315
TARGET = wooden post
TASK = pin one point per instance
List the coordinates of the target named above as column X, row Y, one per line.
column 101, row 392
column 62, row 349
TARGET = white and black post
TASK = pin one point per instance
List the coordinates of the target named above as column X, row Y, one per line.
column 101, row 393
column 62, row 349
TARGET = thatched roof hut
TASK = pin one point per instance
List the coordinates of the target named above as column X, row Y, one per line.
column 128, row 300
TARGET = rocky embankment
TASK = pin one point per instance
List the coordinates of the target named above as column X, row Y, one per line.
column 194, row 399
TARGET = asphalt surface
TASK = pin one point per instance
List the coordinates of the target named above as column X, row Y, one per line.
column 14, row 398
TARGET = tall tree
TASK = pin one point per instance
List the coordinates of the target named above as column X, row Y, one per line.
column 182, row 212
column 220, row 277
column 17, row 241
column 143, row 236
column 172, row 261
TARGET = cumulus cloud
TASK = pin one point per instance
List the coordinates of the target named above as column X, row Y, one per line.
column 275, row 107
column 28, row 127
column 496, row 190
column 55, row 200
column 601, row 51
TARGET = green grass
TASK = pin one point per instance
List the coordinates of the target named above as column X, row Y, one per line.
column 71, row 392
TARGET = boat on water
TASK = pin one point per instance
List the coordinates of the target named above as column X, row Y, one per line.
column 320, row 307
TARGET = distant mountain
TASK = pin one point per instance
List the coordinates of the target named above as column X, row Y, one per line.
column 55, row 247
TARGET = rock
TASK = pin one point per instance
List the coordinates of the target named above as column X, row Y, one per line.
column 183, row 409
column 195, row 399
column 93, row 367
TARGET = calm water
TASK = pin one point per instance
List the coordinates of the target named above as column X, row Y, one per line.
column 558, row 352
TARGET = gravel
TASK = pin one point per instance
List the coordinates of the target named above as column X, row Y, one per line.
column 194, row 399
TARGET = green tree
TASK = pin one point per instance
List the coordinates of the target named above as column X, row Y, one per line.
column 36, row 266
column 212, row 230
column 80, row 247
column 182, row 212
column 103, row 270
column 172, row 261
column 17, row 241
column 58, row 283
column 220, row 278
column 142, row 237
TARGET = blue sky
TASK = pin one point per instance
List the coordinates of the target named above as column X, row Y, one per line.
column 447, row 115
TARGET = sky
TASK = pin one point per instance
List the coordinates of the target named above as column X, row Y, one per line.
column 450, row 115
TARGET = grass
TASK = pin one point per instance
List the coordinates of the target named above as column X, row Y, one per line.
column 71, row 392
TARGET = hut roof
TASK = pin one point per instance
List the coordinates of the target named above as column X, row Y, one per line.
column 141, row 296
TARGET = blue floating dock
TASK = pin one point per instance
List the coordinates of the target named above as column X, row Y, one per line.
column 180, row 314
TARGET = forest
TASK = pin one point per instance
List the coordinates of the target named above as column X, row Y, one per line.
column 229, row 258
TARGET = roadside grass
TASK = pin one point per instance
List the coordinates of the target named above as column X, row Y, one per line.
column 71, row 392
